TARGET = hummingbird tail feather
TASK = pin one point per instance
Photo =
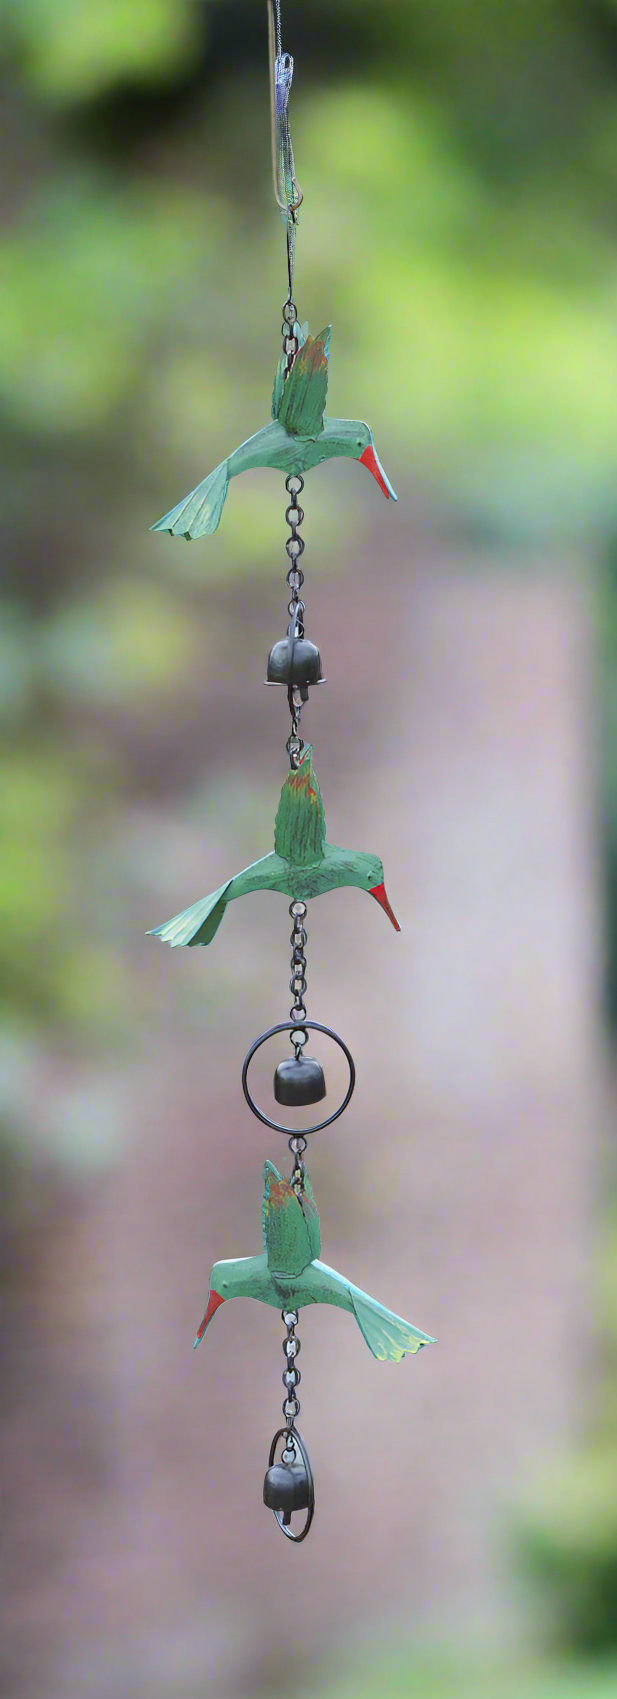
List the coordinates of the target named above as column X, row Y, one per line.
column 199, row 513
column 195, row 925
column 386, row 1334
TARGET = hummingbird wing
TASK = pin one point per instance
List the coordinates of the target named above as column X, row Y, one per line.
column 286, row 1235
column 309, row 1211
column 301, row 333
column 279, row 384
column 303, row 400
column 300, row 825
column 386, row 1334
column 281, row 372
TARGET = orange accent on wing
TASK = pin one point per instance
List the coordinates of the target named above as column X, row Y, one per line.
column 278, row 1194
column 317, row 354
column 300, row 781
column 312, row 354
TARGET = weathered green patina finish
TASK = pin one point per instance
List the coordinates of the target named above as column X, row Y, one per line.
column 300, row 825
column 297, row 439
column 288, row 1274
column 302, row 865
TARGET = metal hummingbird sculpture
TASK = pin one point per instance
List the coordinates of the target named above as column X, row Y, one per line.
column 298, row 438
column 288, row 1274
column 302, row 864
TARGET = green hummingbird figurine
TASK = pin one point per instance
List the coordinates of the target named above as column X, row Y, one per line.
column 302, row 865
column 289, row 1275
column 297, row 439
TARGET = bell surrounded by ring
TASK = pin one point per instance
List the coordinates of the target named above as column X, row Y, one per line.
column 286, row 1488
column 296, row 663
column 299, row 1081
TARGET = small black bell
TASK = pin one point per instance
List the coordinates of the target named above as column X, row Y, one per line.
column 295, row 661
column 299, row 1081
column 286, row 1488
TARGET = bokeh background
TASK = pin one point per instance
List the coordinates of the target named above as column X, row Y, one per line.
column 459, row 166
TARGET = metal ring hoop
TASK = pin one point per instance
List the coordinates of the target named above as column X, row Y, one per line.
column 298, row 1440
column 277, row 1126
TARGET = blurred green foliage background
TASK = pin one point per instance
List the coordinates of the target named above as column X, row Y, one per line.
column 459, row 166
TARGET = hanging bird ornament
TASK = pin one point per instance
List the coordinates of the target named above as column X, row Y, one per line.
column 302, row 864
column 288, row 1274
column 298, row 438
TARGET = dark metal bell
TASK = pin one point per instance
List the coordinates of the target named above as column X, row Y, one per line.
column 295, row 662
column 286, row 1488
column 298, row 1081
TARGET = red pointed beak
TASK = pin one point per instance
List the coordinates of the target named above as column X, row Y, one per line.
column 379, row 893
column 371, row 459
column 214, row 1299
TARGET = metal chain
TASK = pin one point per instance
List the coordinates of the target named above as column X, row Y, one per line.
column 297, row 984
column 296, row 608
column 298, row 1036
column 291, row 1377
column 297, row 1146
column 289, row 331
column 294, row 517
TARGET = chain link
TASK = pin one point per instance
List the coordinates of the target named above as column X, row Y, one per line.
column 297, row 1146
column 298, row 982
column 289, row 331
column 291, row 1375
